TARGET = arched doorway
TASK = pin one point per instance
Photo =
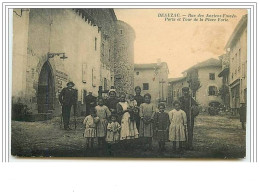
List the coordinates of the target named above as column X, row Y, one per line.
column 46, row 90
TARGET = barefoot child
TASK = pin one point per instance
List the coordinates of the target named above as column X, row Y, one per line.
column 161, row 123
column 177, row 130
column 90, row 128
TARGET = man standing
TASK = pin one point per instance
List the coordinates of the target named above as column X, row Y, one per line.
column 67, row 98
column 90, row 102
column 189, row 106
column 242, row 114
column 140, row 99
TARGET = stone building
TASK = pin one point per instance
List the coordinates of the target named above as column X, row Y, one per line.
column 124, row 57
column 54, row 46
column 175, row 87
column 237, row 46
column 153, row 79
column 208, row 83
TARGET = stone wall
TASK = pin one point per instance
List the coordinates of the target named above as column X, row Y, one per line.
column 55, row 31
column 124, row 58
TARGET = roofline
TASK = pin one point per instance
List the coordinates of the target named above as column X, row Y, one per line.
column 113, row 14
column 151, row 67
column 120, row 21
column 238, row 27
column 179, row 79
column 193, row 67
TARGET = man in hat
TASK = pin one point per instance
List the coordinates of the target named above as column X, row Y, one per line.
column 90, row 102
column 188, row 105
column 67, row 98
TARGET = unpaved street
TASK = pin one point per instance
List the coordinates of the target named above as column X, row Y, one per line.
column 214, row 137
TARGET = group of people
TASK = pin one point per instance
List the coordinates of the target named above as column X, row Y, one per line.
column 126, row 117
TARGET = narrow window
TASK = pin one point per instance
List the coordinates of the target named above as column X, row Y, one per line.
column 95, row 43
column 102, row 49
column 212, row 76
column 145, row 86
column 212, row 90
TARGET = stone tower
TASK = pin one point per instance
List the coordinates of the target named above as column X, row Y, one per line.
column 124, row 58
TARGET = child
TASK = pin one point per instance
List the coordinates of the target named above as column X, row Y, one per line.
column 103, row 113
column 161, row 123
column 177, row 130
column 113, row 130
column 133, row 109
column 90, row 128
column 146, row 113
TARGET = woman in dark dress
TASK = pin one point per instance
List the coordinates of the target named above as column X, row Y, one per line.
column 112, row 101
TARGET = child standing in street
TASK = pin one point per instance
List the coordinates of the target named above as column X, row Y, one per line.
column 161, row 124
column 133, row 111
column 178, row 127
column 113, row 130
column 90, row 128
column 113, row 133
column 103, row 113
column 146, row 113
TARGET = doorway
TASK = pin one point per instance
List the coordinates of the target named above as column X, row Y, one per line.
column 46, row 89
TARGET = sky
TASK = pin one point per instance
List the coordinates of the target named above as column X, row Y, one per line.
column 181, row 44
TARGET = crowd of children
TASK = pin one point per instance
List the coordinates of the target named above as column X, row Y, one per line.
column 120, row 119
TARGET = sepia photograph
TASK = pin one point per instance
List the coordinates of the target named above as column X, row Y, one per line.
column 114, row 83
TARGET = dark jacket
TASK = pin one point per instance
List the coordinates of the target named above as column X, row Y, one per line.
column 139, row 99
column 68, row 97
column 90, row 101
column 187, row 104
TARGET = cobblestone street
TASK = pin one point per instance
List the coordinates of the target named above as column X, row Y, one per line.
column 214, row 137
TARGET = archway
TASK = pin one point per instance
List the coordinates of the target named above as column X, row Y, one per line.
column 46, row 89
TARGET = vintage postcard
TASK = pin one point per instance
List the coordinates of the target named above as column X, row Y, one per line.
column 129, row 83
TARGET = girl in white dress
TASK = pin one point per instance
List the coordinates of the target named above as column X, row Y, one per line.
column 113, row 130
column 90, row 128
column 177, row 130
column 128, row 128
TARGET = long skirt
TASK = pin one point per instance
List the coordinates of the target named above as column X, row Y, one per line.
column 133, row 131
column 125, row 125
column 102, row 128
column 90, row 132
column 177, row 132
column 146, row 129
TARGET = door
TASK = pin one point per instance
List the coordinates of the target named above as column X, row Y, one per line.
column 45, row 98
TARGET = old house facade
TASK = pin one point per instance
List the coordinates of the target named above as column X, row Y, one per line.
column 54, row 46
column 206, row 75
column 175, row 86
column 237, row 46
column 153, row 79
